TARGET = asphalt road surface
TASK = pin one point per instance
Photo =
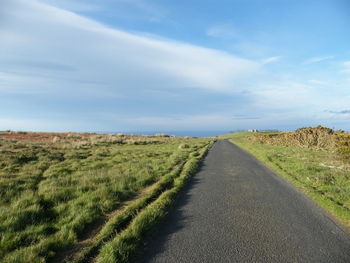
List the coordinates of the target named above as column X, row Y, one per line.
column 237, row 210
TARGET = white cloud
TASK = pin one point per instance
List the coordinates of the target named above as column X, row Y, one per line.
column 319, row 82
column 346, row 67
column 253, row 49
column 299, row 101
column 271, row 59
column 226, row 30
column 317, row 59
column 284, row 96
column 7, row 77
column 141, row 9
column 72, row 5
column 54, row 45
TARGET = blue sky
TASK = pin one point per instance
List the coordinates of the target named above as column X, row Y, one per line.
column 161, row 65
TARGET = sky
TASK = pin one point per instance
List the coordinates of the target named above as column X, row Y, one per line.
column 164, row 65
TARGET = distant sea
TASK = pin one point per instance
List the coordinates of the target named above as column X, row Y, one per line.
column 177, row 133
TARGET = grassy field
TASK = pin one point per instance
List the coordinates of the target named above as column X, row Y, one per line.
column 316, row 160
column 66, row 197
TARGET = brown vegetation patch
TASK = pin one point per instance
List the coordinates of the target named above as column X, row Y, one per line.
column 317, row 138
column 41, row 136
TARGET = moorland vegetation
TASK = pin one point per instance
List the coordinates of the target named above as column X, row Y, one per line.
column 64, row 196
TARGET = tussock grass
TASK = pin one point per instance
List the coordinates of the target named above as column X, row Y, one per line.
column 120, row 221
column 322, row 174
column 53, row 190
column 123, row 247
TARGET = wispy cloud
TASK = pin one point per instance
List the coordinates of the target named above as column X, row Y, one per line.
column 245, row 117
column 319, row 82
column 226, row 30
column 74, row 5
column 135, row 9
column 271, row 59
column 339, row 112
column 346, row 67
column 318, row 59
column 150, row 10
column 97, row 53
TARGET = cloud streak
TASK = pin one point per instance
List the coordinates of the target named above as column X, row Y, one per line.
column 271, row 59
column 99, row 53
column 317, row 59
column 340, row 112
column 346, row 67
column 226, row 30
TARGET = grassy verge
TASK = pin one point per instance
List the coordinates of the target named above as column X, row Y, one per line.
column 55, row 187
column 123, row 246
column 323, row 175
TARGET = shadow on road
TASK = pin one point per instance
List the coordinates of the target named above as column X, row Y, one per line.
column 173, row 222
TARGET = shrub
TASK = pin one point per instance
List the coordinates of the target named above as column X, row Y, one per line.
column 184, row 146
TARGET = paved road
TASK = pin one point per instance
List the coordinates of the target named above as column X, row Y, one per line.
column 237, row 210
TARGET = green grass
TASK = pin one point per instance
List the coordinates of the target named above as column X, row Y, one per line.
column 120, row 221
column 123, row 246
column 323, row 175
column 53, row 192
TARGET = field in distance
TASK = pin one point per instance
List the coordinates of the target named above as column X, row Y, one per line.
column 64, row 195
